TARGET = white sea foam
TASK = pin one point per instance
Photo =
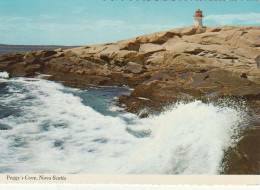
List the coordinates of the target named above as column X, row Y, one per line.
column 59, row 134
column 43, row 76
column 115, row 108
column 4, row 75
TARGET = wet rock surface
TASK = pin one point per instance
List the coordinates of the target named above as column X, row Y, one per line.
column 189, row 63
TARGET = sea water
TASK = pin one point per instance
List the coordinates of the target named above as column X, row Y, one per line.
column 49, row 128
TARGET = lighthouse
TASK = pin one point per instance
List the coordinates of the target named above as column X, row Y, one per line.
column 198, row 18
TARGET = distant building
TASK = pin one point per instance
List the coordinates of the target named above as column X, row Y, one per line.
column 198, row 18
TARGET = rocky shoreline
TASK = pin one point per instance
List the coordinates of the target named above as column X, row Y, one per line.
column 205, row 63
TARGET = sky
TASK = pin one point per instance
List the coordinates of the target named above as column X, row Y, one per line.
column 87, row 22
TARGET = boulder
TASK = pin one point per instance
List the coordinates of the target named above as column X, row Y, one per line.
column 150, row 48
column 39, row 56
column 9, row 59
column 155, row 59
column 130, row 45
column 183, row 47
column 186, row 31
column 134, row 68
column 249, row 38
column 156, row 38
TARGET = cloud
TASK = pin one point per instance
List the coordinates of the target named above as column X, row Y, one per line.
column 234, row 19
column 78, row 10
column 121, row 25
column 157, row 27
column 14, row 19
column 110, row 23
column 11, row 23
column 46, row 30
column 47, row 17
column 5, row 20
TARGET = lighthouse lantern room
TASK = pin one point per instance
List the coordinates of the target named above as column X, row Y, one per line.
column 198, row 18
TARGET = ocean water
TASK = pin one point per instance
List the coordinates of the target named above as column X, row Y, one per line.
column 49, row 128
column 25, row 48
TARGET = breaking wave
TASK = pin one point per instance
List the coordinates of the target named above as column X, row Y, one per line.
column 49, row 128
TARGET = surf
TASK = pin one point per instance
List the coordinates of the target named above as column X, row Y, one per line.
column 54, row 129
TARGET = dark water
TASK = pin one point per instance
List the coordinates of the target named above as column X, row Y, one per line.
column 25, row 48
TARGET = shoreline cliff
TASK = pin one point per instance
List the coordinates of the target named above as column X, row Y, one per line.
column 205, row 63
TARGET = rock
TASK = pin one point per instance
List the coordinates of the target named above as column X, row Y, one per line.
column 213, row 29
column 150, row 48
column 130, row 45
column 92, row 50
column 193, row 62
column 158, row 76
column 181, row 46
column 183, row 50
column 257, row 61
column 249, row 38
column 244, row 157
column 4, row 126
column 148, row 90
column 123, row 57
column 14, row 64
column 186, row 31
column 30, row 58
column 155, row 59
column 109, row 51
column 141, row 106
column 58, row 50
column 134, row 68
column 250, row 53
column 156, row 38
column 9, row 59
column 39, row 56
column 32, row 68
column 186, row 62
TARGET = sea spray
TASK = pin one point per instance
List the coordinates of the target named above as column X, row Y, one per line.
column 187, row 139
column 53, row 130
column 4, row 75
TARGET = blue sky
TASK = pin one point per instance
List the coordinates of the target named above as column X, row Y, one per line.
column 86, row 22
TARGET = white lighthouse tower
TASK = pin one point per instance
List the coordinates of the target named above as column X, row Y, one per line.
column 198, row 18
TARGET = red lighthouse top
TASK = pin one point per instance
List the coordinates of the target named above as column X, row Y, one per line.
column 198, row 13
